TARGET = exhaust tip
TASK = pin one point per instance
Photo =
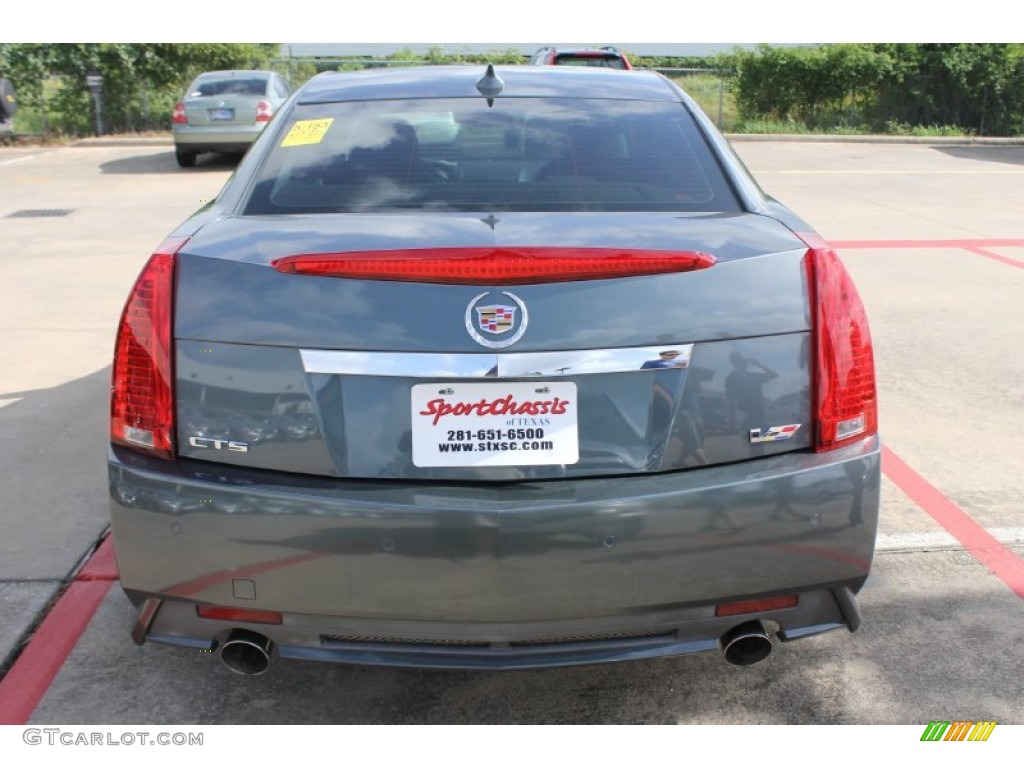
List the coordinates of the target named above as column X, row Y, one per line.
column 746, row 644
column 246, row 653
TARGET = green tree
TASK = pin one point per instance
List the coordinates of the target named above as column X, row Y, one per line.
column 974, row 87
column 137, row 77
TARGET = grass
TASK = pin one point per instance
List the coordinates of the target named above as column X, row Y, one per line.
column 903, row 129
column 770, row 126
column 713, row 95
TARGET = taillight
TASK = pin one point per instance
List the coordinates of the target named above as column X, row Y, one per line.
column 494, row 266
column 179, row 115
column 264, row 111
column 141, row 394
column 846, row 403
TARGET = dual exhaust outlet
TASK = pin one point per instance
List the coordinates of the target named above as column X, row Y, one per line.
column 745, row 644
column 248, row 653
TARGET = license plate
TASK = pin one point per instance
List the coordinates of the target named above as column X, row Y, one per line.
column 222, row 114
column 494, row 424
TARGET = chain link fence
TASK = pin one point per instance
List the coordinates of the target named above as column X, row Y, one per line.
column 60, row 108
column 710, row 88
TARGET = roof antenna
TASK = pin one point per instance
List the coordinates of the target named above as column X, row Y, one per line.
column 490, row 85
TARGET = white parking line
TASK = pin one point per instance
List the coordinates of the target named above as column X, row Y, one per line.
column 901, row 542
column 14, row 160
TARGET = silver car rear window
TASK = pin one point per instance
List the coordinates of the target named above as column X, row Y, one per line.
column 520, row 154
column 233, row 86
column 608, row 60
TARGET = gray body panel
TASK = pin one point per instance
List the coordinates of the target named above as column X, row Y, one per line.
column 359, row 425
column 758, row 297
column 461, row 81
column 456, row 553
column 768, row 297
column 238, row 356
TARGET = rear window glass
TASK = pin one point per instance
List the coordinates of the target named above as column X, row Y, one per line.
column 610, row 60
column 232, row 86
column 521, row 154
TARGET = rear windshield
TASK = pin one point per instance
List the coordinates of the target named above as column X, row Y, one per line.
column 607, row 60
column 521, row 154
column 229, row 86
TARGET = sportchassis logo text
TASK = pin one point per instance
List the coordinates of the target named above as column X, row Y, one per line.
column 439, row 408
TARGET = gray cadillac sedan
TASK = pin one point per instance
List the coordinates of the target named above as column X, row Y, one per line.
column 477, row 367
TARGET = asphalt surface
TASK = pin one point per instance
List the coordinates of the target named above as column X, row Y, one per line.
column 934, row 236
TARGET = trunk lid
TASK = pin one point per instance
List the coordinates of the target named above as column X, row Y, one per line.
column 222, row 110
column 352, row 378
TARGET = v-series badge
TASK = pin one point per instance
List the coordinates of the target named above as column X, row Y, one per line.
column 218, row 445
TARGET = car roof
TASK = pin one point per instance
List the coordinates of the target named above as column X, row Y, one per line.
column 225, row 73
column 605, row 51
column 460, row 81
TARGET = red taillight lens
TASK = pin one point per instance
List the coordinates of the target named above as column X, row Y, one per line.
column 756, row 606
column 141, row 395
column 264, row 112
column 494, row 266
column 179, row 115
column 237, row 614
column 846, row 403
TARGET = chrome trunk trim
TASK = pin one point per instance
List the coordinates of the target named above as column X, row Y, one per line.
column 513, row 365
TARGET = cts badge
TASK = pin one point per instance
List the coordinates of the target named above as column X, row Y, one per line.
column 218, row 445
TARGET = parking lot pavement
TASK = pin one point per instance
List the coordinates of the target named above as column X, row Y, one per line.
column 78, row 225
column 894, row 191
column 22, row 601
column 935, row 240
column 907, row 664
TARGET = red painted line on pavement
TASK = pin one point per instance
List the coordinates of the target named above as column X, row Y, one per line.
column 976, row 246
column 24, row 686
column 984, row 547
column 998, row 257
column 1005, row 242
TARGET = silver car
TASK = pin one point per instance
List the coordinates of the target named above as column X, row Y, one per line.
column 492, row 368
column 225, row 112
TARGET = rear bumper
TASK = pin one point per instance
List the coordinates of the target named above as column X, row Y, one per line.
column 533, row 574
column 531, row 645
column 216, row 138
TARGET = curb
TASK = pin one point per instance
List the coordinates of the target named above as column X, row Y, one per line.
column 127, row 141
column 61, row 625
column 948, row 141
column 955, row 141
